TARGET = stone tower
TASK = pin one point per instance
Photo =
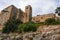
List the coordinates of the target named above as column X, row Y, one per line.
column 28, row 13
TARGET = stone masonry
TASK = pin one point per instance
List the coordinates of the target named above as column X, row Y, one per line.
column 42, row 18
column 12, row 11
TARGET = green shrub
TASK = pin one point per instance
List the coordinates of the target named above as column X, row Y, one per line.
column 27, row 27
column 58, row 22
column 50, row 21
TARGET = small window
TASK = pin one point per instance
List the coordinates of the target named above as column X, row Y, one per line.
column 33, row 18
column 41, row 17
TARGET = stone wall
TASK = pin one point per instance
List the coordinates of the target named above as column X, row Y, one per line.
column 5, row 15
column 13, row 12
column 42, row 18
column 51, row 32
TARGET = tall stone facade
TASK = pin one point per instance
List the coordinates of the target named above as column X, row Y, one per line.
column 28, row 13
column 7, row 13
column 12, row 11
column 20, row 15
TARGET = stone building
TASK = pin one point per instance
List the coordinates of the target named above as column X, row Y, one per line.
column 11, row 11
column 42, row 18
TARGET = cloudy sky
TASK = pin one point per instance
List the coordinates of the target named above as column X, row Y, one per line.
column 39, row 6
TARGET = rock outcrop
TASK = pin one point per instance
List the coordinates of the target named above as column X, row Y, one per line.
column 51, row 32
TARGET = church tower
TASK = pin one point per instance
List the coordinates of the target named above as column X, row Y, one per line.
column 28, row 13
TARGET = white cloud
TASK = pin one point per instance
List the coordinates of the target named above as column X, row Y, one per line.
column 39, row 6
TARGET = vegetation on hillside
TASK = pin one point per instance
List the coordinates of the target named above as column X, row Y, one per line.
column 28, row 27
column 17, row 26
column 11, row 25
column 50, row 21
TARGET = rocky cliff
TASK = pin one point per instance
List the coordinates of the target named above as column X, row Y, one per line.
column 51, row 32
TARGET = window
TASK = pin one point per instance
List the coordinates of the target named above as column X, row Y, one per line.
column 41, row 17
column 33, row 18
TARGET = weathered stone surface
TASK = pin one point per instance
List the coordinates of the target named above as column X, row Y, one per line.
column 11, row 11
column 42, row 18
column 52, row 32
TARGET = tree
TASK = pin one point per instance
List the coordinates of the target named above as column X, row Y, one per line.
column 57, row 10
